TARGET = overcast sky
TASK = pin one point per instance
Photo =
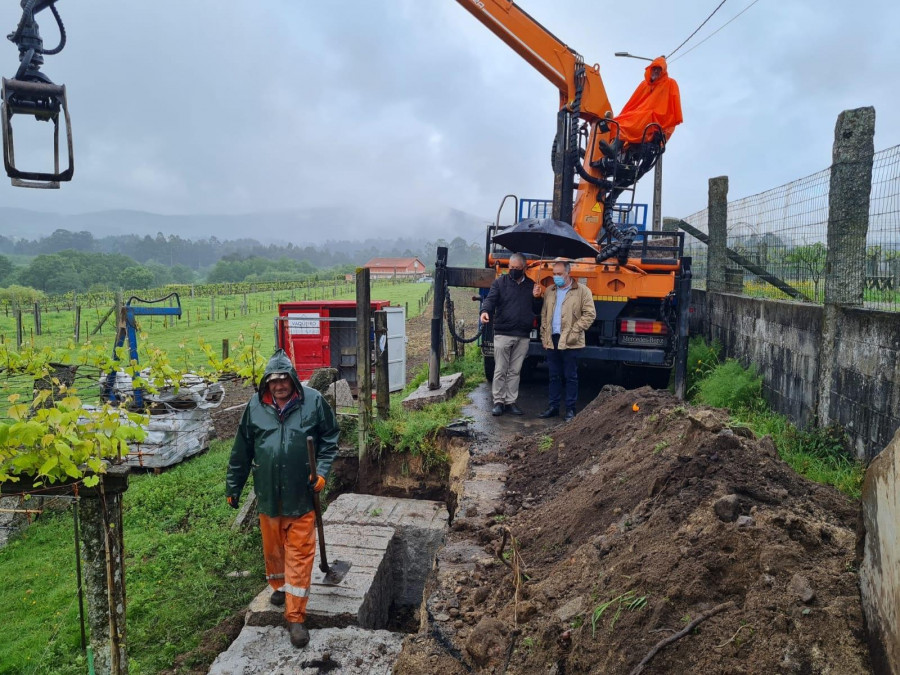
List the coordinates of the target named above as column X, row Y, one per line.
column 202, row 106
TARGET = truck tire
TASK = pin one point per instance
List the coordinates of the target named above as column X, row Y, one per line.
column 489, row 368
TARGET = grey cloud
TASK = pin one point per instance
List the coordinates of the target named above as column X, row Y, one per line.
column 200, row 107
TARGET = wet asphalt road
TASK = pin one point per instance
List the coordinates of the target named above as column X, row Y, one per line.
column 532, row 401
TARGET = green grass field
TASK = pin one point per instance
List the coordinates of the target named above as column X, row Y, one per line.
column 170, row 334
column 179, row 550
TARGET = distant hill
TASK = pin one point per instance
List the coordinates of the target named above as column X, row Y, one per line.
column 300, row 226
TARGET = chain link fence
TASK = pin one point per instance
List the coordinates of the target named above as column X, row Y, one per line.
column 784, row 231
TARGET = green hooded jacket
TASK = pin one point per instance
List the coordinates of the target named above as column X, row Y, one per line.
column 275, row 449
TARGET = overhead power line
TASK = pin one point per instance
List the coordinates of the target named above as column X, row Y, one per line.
column 716, row 31
column 696, row 30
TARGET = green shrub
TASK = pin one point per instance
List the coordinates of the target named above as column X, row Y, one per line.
column 702, row 358
column 731, row 386
column 416, row 431
column 821, row 455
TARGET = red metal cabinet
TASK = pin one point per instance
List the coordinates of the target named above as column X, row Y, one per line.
column 321, row 334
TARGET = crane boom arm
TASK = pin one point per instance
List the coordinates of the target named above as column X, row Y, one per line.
column 546, row 53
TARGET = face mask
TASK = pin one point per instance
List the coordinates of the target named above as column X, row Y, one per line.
column 515, row 274
column 559, row 280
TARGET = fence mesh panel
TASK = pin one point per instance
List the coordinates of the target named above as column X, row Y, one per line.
column 882, row 289
column 697, row 249
column 784, row 231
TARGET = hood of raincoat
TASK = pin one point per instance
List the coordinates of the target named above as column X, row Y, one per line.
column 659, row 61
column 280, row 363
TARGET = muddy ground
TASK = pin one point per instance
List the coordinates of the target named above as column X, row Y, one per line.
column 635, row 520
column 418, row 329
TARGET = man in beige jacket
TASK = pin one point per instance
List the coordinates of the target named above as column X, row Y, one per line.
column 567, row 313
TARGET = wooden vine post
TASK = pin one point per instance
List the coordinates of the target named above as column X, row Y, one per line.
column 363, row 359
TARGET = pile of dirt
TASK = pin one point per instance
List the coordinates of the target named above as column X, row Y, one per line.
column 227, row 417
column 642, row 516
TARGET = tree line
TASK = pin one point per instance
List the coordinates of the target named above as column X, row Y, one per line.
column 201, row 254
column 85, row 263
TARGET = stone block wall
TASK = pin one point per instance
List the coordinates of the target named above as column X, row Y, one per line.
column 865, row 384
column 858, row 354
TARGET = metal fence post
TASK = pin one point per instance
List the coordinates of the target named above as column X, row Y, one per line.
column 77, row 323
column 437, row 320
column 20, row 333
column 717, row 257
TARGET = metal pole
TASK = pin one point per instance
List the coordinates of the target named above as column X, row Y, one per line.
column 382, row 385
column 437, row 320
column 77, row 323
column 657, row 195
column 682, row 326
column 78, row 573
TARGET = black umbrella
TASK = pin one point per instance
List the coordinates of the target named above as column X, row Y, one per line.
column 546, row 238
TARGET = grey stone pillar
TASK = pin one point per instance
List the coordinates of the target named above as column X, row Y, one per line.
column 848, row 206
column 717, row 258
column 848, row 223
column 104, row 571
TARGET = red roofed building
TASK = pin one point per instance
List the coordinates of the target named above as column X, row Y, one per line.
column 388, row 268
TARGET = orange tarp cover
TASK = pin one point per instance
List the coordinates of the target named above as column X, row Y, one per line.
column 658, row 102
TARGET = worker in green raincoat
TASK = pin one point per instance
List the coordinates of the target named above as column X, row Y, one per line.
column 271, row 442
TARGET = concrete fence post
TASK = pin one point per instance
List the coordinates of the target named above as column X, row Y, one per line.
column 848, row 206
column 717, row 258
column 848, row 224
column 104, row 571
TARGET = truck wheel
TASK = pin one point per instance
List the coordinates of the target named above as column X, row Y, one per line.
column 489, row 368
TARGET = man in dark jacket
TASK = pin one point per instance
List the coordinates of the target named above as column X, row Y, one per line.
column 511, row 307
column 271, row 441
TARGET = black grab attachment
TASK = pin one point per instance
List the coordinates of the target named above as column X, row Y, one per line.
column 31, row 92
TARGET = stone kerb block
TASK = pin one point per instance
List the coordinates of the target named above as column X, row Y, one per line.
column 419, row 524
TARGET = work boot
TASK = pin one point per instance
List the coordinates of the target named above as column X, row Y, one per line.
column 299, row 634
column 277, row 598
column 549, row 412
column 513, row 409
column 570, row 414
column 497, row 410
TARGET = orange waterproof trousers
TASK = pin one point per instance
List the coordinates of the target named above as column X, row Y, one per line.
column 289, row 547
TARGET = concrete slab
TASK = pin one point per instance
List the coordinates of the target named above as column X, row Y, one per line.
column 349, row 651
column 362, row 598
column 420, row 526
column 423, row 396
column 483, row 492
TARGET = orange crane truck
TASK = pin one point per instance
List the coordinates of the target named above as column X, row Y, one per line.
column 640, row 280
